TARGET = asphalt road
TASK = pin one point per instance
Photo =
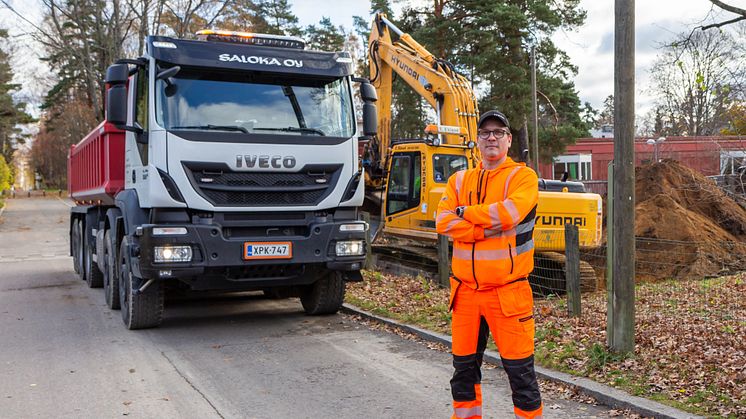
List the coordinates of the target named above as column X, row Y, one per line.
column 63, row 353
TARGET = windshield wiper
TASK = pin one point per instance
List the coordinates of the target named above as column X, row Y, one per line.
column 293, row 129
column 290, row 93
column 214, row 127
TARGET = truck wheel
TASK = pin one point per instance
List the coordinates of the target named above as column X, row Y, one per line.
column 77, row 249
column 139, row 310
column 111, row 276
column 324, row 296
column 93, row 276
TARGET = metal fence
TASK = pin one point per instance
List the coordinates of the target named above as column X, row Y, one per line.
column 600, row 187
column 655, row 259
column 8, row 194
column 733, row 185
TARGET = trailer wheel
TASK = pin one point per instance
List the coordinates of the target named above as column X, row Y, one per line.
column 324, row 296
column 140, row 310
column 111, row 276
column 93, row 275
column 77, row 249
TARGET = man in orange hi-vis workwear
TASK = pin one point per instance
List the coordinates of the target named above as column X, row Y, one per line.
column 489, row 211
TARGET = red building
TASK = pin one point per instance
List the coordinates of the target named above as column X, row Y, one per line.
column 589, row 158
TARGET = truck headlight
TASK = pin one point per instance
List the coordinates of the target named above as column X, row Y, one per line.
column 350, row 248
column 164, row 254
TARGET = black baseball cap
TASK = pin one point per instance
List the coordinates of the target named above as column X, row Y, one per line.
column 494, row 114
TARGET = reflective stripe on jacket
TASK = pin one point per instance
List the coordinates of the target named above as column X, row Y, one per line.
column 493, row 242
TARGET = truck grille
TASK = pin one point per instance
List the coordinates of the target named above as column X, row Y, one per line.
column 223, row 187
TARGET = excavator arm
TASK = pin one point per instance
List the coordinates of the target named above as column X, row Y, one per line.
column 449, row 93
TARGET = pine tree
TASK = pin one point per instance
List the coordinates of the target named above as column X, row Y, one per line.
column 325, row 37
column 606, row 117
column 489, row 42
column 245, row 16
column 279, row 17
column 383, row 6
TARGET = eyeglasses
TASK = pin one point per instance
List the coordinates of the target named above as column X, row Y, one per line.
column 498, row 133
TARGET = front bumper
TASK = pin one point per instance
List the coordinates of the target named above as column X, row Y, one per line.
column 217, row 254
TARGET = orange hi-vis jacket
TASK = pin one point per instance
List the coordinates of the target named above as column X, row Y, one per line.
column 493, row 242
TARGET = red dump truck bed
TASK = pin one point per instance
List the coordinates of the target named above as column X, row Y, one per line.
column 95, row 167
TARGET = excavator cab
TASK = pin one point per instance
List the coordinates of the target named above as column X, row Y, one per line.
column 417, row 177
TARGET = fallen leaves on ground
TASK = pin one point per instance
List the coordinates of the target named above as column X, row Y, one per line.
column 690, row 337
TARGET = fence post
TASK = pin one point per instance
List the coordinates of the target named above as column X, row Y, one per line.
column 368, row 243
column 572, row 269
column 610, row 256
column 444, row 262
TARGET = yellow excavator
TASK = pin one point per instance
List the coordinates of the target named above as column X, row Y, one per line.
column 407, row 177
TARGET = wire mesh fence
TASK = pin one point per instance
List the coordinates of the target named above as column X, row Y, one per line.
column 655, row 259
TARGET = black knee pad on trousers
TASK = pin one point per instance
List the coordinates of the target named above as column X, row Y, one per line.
column 523, row 383
column 467, row 374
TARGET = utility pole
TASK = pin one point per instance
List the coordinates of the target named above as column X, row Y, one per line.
column 534, row 115
column 623, row 246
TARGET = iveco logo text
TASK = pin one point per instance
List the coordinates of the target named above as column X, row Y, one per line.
column 253, row 59
column 265, row 162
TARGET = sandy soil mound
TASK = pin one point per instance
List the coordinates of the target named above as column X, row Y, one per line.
column 694, row 228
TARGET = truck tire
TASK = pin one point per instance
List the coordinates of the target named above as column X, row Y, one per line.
column 324, row 296
column 139, row 310
column 111, row 276
column 93, row 275
column 77, row 249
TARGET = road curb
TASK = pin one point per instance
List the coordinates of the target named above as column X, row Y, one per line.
column 608, row 396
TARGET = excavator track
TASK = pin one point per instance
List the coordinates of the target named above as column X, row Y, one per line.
column 548, row 276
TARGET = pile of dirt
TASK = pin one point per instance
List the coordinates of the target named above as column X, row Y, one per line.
column 686, row 226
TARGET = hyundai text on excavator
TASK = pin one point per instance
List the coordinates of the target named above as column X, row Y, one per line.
column 410, row 175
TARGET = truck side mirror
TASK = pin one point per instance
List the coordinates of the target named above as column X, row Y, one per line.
column 116, row 96
column 370, row 119
column 368, row 92
column 117, row 74
column 370, row 113
column 116, row 105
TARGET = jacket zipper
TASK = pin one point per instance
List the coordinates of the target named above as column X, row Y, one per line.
column 474, row 245
column 510, row 253
column 473, row 268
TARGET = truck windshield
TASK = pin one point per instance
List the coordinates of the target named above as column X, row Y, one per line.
column 255, row 104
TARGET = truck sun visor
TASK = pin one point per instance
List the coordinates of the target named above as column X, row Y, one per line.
column 267, row 55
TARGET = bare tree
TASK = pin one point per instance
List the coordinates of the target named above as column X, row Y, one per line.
column 81, row 38
column 185, row 17
column 65, row 125
column 728, row 8
column 695, row 79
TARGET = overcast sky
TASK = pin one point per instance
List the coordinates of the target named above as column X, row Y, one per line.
column 591, row 47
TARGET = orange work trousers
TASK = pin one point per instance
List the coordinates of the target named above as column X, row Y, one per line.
column 507, row 312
